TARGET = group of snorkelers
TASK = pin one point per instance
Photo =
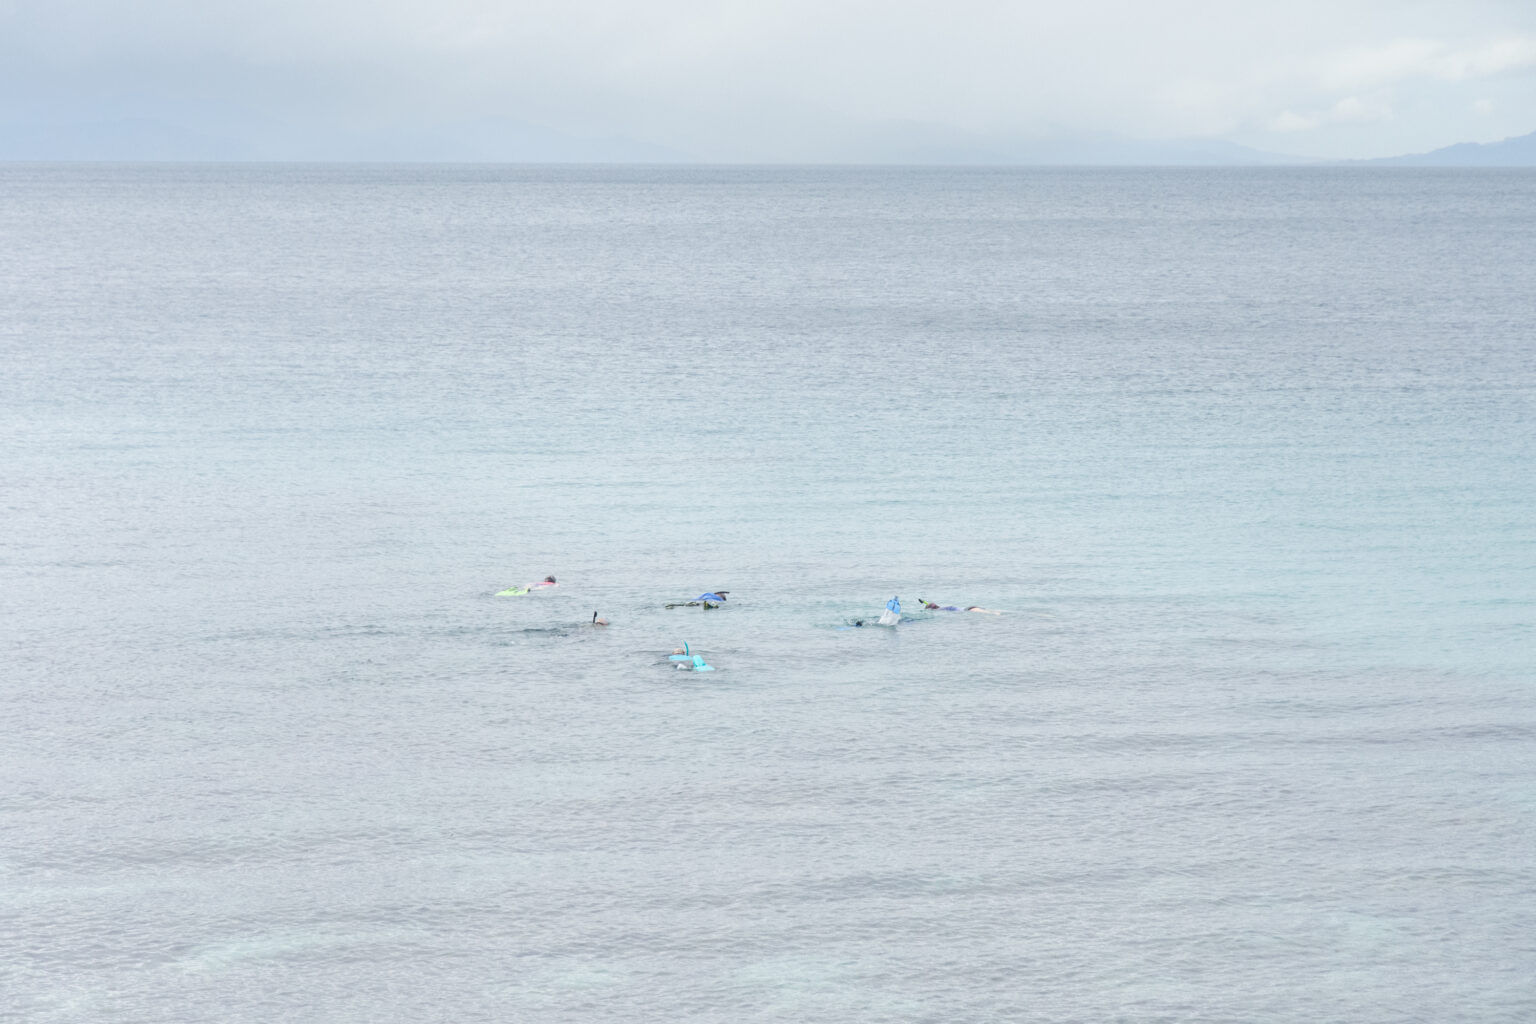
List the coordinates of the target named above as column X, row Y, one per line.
column 547, row 583
column 684, row 658
column 892, row 614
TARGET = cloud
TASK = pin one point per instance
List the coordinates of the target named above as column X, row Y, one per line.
column 782, row 80
column 1417, row 83
column 1290, row 121
column 1400, row 59
column 1360, row 108
column 1357, row 109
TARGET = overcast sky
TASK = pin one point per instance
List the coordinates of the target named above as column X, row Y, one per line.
column 789, row 80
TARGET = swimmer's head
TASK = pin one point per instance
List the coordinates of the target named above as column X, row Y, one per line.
column 549, row 579
column 597, row 621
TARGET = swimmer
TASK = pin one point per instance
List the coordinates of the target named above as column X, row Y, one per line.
column 597, row 621
column 712, row 599
column 931, row 607
column 685, row 660
column 544, row 584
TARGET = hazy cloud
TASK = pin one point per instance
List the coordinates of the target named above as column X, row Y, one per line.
column 1426, row 58
column 793, row 80
column 1348, row 109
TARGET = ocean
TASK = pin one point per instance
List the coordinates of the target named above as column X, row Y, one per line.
column 1246, row 459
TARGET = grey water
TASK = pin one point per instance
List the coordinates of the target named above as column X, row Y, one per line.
column 1246, row 458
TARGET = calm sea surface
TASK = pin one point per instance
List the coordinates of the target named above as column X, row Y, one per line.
column 1247, row 459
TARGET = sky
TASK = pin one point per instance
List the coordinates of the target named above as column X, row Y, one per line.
column 785, row 81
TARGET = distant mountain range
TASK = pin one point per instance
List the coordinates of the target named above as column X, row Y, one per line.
column 1519, row 151
column 504, row 140
column 913, row 143
column 482, row 140
column 501, row 140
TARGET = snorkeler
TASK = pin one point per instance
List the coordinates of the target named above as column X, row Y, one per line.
column 711, row 599
column 889, row 617
column 597, row 621
column 684, row 658
column 544, row 584
column 931, row 607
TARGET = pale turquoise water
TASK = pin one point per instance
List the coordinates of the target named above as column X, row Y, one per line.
column 1249, row 457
